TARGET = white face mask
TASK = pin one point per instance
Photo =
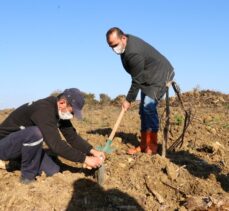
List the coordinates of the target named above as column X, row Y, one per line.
column 65, row 115
column 119, row 49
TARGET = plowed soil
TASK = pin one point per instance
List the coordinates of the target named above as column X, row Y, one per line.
column 192, row 177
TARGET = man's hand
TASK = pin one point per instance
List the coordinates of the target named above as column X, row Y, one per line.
column 126, row 105
column 93, row 162
column 98, row 154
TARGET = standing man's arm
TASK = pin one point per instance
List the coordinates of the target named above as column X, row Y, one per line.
column 133, row 92
column 135, row 63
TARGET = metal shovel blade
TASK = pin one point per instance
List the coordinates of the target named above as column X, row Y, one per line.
column 106, row 148
column 100, row 174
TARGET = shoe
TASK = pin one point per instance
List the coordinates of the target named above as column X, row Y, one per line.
column 151, row 143
column 133, row 151
column 140, row 148
column 26, row 181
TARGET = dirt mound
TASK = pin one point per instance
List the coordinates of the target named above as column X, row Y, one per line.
column 199, row 98
column 194, row 177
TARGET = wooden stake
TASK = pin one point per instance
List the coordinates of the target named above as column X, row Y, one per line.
column 166, row 128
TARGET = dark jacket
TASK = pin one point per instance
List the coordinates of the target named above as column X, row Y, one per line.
column 44, row 114
column 149, row 70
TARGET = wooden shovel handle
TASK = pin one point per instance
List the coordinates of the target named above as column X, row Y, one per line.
column 116, row 125
column 112, row 132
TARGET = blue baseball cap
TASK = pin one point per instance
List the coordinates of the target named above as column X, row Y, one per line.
column 76, row 99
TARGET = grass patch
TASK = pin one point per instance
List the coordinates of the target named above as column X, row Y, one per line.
column 178, row 119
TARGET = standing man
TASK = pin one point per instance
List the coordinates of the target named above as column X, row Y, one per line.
column 150, row 72
column 24, row 130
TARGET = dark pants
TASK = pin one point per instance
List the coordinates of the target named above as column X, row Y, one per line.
column 148, row 114
column 27, row 144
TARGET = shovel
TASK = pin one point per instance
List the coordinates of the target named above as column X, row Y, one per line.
column 100, row 173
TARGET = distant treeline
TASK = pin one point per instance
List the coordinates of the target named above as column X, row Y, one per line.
column 104, row 99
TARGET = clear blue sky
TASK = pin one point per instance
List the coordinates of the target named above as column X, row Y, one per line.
column 48, row 45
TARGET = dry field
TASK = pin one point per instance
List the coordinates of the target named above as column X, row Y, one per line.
column 193, row 177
